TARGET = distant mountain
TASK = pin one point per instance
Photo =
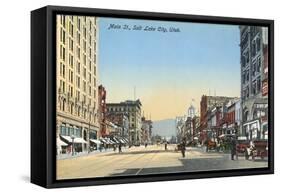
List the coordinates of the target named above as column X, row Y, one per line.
column 165, row 128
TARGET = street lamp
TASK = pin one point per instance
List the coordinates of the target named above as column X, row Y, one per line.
column 72, row 137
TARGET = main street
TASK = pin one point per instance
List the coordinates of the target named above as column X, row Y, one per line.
column 152, row 159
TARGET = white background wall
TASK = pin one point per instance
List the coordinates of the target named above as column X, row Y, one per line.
column 15, row 94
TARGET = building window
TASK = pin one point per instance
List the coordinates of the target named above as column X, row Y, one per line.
column 79, row 111
column 90, row 40
column 78, row 81
column 62, row 53
column 84, row 99
column 70, row 26
column 70, row 44
column 254, row 68
column 78, row 37
column 84, row 32
column 84, row 72
column 63, row 129
column 248, row 75
column 78, row 95
column 71, row 91
column 90, row 77
column 244, row 78
column 62, row 36
column 84, row 86
column 254, row 91
column 259, row 65
column 85, row 114
column 90, row 65
column 253, row 48
column 258, row 84
column 70, row 60
column 78, row 67
column 79, row 23
column 258, row 43
column 63, row 105
column 84, row 45
column 62, row 86
column 71, row 76
column 247, row 92
column 62, row 20
column 247, row 56
column 71, row 109
column 78, row 52
column 84, row 59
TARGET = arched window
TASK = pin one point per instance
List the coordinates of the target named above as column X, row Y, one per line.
column 245, row 115
column 84, row 114
column 79, row 113
column 63, row 105
column 71, row 108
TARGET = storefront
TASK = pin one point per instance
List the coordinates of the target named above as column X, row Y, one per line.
column 61, row 146
column 252, row 129
column 77, row 143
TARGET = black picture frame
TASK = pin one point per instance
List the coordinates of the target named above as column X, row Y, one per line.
column 43, row 95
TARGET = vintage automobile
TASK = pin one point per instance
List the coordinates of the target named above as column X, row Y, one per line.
column 257, row 148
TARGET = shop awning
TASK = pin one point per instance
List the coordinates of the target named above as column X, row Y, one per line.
column 60, row 142
column 125, row 139
column 116, row 140
column 122, row 140
column 95, row 141
column 105, row 140
column 76, row 139
column 111, row 142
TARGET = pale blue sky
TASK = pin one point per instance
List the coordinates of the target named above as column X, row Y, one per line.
column 178, row 66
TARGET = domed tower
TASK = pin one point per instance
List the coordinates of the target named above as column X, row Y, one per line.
column 191, row 111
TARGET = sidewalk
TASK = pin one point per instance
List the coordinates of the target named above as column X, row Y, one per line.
column 96, row 152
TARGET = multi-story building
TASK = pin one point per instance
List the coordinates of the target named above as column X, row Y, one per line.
column 254, row 54
column 188, row 132
column 208, row 110
column 146, row 130
column 180, row 128
column 195, row 127
column 102, row 110
column 77, row 118
column 133, row 109
column 207, row 103
column 121, row 120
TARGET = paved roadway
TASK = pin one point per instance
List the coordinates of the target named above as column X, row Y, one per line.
column 150, row 160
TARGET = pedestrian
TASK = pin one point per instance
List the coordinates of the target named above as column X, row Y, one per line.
column 114, row 147
column 233, row 148
column 120, row 147
column 183, row 149
column 166, row 148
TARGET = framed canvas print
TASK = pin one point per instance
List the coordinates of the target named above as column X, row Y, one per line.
column 126, row 96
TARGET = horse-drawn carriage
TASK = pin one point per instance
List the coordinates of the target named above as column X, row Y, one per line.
column 210, row 144
column 257, row 148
